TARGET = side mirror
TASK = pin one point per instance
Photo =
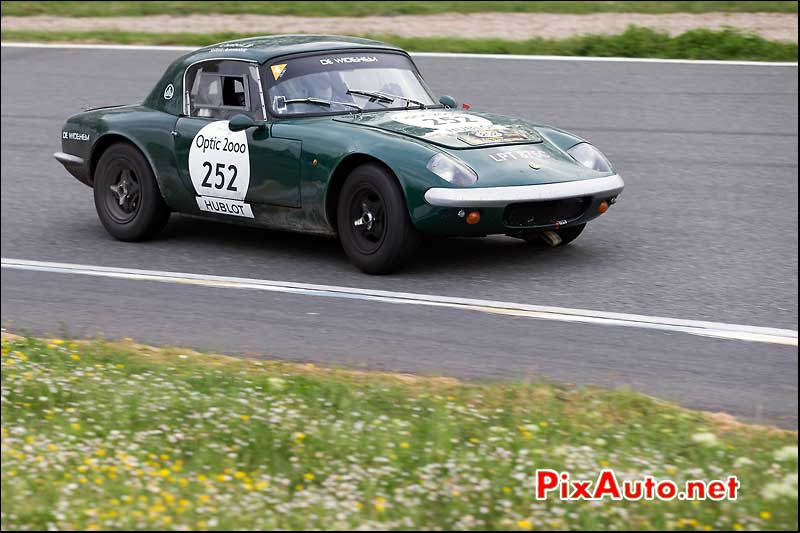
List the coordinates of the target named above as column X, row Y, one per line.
column 448, row 101
column 242, row 122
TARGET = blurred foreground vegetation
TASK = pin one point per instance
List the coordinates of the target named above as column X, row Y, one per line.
column 102, row 435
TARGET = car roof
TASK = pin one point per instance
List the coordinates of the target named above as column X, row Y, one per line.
column 167, row 94
column 262, row 49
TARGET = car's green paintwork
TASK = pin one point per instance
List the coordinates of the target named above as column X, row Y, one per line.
column 308, row 158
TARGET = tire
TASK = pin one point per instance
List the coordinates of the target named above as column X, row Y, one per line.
column 567, row 235
column 373, row 222
column 126, row 195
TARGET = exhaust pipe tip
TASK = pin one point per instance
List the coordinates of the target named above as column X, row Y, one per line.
column 552, row 238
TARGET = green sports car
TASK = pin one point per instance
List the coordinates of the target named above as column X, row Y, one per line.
column 330, row 135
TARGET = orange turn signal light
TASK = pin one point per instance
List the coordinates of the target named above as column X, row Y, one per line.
column 474, row 217
column 602, row 208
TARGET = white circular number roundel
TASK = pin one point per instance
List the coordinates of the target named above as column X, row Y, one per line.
column 442, row 121
column 219, row 162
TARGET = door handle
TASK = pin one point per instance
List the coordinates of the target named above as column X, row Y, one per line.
column 175, row 133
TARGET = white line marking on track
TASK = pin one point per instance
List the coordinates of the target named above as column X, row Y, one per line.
column 446, row 55
column 695, row 327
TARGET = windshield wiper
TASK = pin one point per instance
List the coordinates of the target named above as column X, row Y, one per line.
column 320, row 101
column 385, row 97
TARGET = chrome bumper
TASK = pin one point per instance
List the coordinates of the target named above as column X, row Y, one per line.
column 502, row 196
column 68, row 159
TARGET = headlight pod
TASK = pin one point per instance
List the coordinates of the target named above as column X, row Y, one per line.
column 590, row 157
column 452, row 170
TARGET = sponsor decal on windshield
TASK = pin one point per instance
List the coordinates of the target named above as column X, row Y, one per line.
column 354, row 59
column 278, row 70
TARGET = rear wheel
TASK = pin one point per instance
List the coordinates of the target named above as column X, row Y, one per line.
column 126, row 195
column 565, row 236
column 373, row 223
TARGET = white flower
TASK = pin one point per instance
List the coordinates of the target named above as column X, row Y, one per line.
column 787, row 453
column 277, row 383
column 784, row 489
column 742, row 461
column 706, row 439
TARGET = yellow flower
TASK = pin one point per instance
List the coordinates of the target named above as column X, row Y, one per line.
column 765, row 515
column 507, row 490
column 75, row 426
column 261, row 485
column 204, row 498
column 239, row 475
column 164, row 457
column 57, row 342
column 359, row 505
column 737, row 526
column 75, row 357
column 405, row 445
column 100, row 452
column 525, row 524
column 309, row 476
column 604, row 463
column 164, row 472
column 120, row 366
column 299, row 488
column 52, row 447
column 244, row 418
column 222, row 477
column 379, row 507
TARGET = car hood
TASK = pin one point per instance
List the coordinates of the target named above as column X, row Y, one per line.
column 450, row 128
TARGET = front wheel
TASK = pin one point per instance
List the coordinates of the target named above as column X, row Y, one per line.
column 373, row 223
column 564, row 236
column 126, row 195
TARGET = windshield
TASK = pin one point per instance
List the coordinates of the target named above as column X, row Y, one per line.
column 344, row 82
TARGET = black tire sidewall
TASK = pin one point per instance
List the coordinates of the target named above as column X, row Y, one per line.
column 401, row 238
column 152, row 213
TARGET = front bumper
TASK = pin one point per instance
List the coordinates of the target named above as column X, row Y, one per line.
column 503, row 196
column 515, row 210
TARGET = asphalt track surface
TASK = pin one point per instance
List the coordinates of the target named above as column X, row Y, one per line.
column 706, row 229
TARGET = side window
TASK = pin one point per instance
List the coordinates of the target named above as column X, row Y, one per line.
column 222, row 89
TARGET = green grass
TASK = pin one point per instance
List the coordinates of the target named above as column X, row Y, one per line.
column 354, row 9
column 635, row 42
column 119, row 436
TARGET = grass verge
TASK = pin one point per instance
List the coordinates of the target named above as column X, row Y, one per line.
column 727, row 44
column 124, row 436
column 363, row 8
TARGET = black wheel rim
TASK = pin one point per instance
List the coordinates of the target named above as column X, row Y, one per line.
column 123, row 194
column 367, row 219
